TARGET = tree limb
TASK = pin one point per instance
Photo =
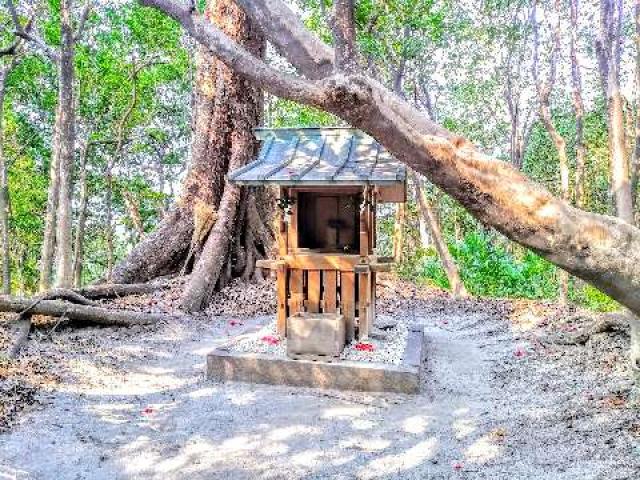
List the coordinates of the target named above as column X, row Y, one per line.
column 288, row 34
column 84, row 16
column 25, row 33
column 344, row 35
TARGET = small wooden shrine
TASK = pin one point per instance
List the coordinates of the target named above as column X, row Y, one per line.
column 330, row 181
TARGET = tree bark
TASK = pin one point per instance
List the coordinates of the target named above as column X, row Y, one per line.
column 4, row 188
column 66, row 146
column 244, row 104
column 578, row 107
column 609, row 46
column 635, row 156
column 398, row 233
column 78, row 258
column 448, row 263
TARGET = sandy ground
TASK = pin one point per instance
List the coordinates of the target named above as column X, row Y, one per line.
column 496, row 404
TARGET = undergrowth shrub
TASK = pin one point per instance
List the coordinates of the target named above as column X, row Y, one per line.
column 493, row 269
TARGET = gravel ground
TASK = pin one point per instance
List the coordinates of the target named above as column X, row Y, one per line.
column 499, row 401
column 387, row 346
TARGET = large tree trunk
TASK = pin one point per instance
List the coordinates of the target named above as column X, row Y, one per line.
column 66, row 147
column 448, row 263
column 226, row 109
column 244, row 103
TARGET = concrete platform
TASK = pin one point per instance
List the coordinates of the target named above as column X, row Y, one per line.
column 226, row 366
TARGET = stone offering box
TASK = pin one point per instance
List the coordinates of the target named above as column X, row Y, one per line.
column 315, row 336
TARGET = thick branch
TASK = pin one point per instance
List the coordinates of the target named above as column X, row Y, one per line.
column 344, row 34
column 287, row 33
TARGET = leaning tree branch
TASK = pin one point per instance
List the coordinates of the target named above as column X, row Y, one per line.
column 288, row 34
column 238, row 59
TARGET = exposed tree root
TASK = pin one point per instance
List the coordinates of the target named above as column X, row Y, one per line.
column 114, row 290
column 605, row 324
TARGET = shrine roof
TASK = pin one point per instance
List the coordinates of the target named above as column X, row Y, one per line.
column 319, row 156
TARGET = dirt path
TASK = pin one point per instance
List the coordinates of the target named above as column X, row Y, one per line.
column 137, row 406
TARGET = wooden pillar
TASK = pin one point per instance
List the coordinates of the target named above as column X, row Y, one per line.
column 282, row 228
column 296, row 289
column 313, row 302
column 281, row 316
column 329, row 282
column 348, row 302
column 292, row 226
column 364, row 301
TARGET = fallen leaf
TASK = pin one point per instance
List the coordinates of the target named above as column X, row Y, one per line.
column 270, row 339
column 364, row 347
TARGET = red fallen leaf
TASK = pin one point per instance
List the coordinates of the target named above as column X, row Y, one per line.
column 457, row 466
column 520, row 352
column 233, row 323
column 270, row 339
column 445, row 322
column 147, row 411
column 364, row 347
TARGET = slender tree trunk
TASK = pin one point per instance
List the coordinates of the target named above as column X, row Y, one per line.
column 425, row 237
column 608, row 47
column 578, row 107
column 544, row 90
column 635, row 158
column 49, row 239
column 134, row 213
column 66, row 146
column 448, row 263
column 398, row 232
column 82, row 217
column 4, row 193
column 108, row 222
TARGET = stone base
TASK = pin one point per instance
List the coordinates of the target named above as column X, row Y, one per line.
column 225, row 366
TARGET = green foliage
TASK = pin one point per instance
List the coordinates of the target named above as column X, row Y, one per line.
column 285, row 113
column 491, row 268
